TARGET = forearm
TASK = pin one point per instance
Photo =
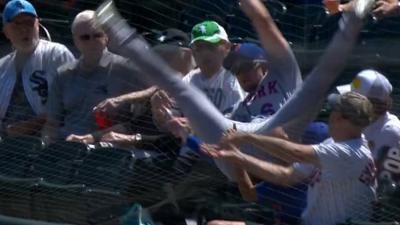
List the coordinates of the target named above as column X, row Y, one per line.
column 138, row 96
column 269, row 34
column 26, row 127
column 245, row 185
column 320, row 80
column 279, row 148
column 119, row 128
column 267, row 171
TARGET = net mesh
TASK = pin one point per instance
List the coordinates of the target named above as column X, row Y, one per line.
column 76, row 183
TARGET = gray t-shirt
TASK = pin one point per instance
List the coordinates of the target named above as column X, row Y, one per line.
column 344, row 186
column 74, row 93
column 274, row 90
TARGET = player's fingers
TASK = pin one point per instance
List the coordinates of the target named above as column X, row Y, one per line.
column 380, row 3
column 100, row 106
column 378, row 12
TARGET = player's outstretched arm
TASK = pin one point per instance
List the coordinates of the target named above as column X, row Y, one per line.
column 307, row 100
column 279, row 53
column 270, row 36
column 285, row 150
column 277, row 174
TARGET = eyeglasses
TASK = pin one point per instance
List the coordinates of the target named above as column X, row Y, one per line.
column 87, row 37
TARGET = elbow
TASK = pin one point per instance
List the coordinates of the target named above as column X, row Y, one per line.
column 284, row 179
column 249, row 195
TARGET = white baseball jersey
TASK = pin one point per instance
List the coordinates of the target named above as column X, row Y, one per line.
column 37, row 74
column 383, row 132
column 344, row 186
column 222, row 89
column 274, row 90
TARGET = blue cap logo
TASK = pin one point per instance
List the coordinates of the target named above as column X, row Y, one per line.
column 16, row 7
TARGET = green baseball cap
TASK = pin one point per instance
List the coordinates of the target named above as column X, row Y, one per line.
column 209, row 31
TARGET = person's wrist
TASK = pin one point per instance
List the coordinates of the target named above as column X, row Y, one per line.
column 96, row 137
column 135, row 138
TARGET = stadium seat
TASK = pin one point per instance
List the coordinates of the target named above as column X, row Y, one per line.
column 59, row 162
column 6, row 220
column 17, row 155
column 15, row 196
column 104, row 206
column 105, row 168
column 59, row 203
column 148, row 177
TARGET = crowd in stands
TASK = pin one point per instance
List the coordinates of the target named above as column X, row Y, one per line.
column 243, row 108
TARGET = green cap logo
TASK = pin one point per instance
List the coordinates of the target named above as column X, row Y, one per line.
column 209, row 31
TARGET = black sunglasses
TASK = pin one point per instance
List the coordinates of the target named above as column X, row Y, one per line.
column 87, row 37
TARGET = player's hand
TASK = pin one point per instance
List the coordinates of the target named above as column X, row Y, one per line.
column 179, row 127
column 161, row 106
column 118, row 138
column 332, row 6
column 228, row 152
column 232, row 137
column 161, row 99
column 386, row 8
column 249, row 7
column 86, row 139
column 109, row 105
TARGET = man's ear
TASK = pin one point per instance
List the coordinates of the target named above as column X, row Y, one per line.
column 264, row 67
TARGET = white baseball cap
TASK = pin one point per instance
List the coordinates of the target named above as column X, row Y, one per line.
column 369, row 83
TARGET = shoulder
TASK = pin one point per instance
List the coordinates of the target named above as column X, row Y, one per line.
column 231, row 80
column 329, row 146
column 51, row 47
column 192, row 75
column 6, row 59
column 67, row 68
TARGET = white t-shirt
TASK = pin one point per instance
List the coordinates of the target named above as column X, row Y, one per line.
column 274, row 90
column 37, row 75
column 383, row 132
column 222, row 89
column 344, row 186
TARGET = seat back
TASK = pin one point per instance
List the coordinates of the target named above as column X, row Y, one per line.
column 59, row 162
column 17, row 155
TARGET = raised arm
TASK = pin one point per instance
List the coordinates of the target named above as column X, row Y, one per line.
column 280, row 56
column 270, row 36
column 307, row 100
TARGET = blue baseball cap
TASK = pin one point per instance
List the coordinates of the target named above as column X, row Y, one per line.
column 245, row 52
column 315, row 133
column 16, row 7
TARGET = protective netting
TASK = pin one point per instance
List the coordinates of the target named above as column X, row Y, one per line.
column 76, row 183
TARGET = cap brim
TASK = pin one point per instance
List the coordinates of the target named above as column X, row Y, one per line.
column 212, row 39
column 21, row 12
column 332, row 101
column 343, row 88
column 232, row 58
